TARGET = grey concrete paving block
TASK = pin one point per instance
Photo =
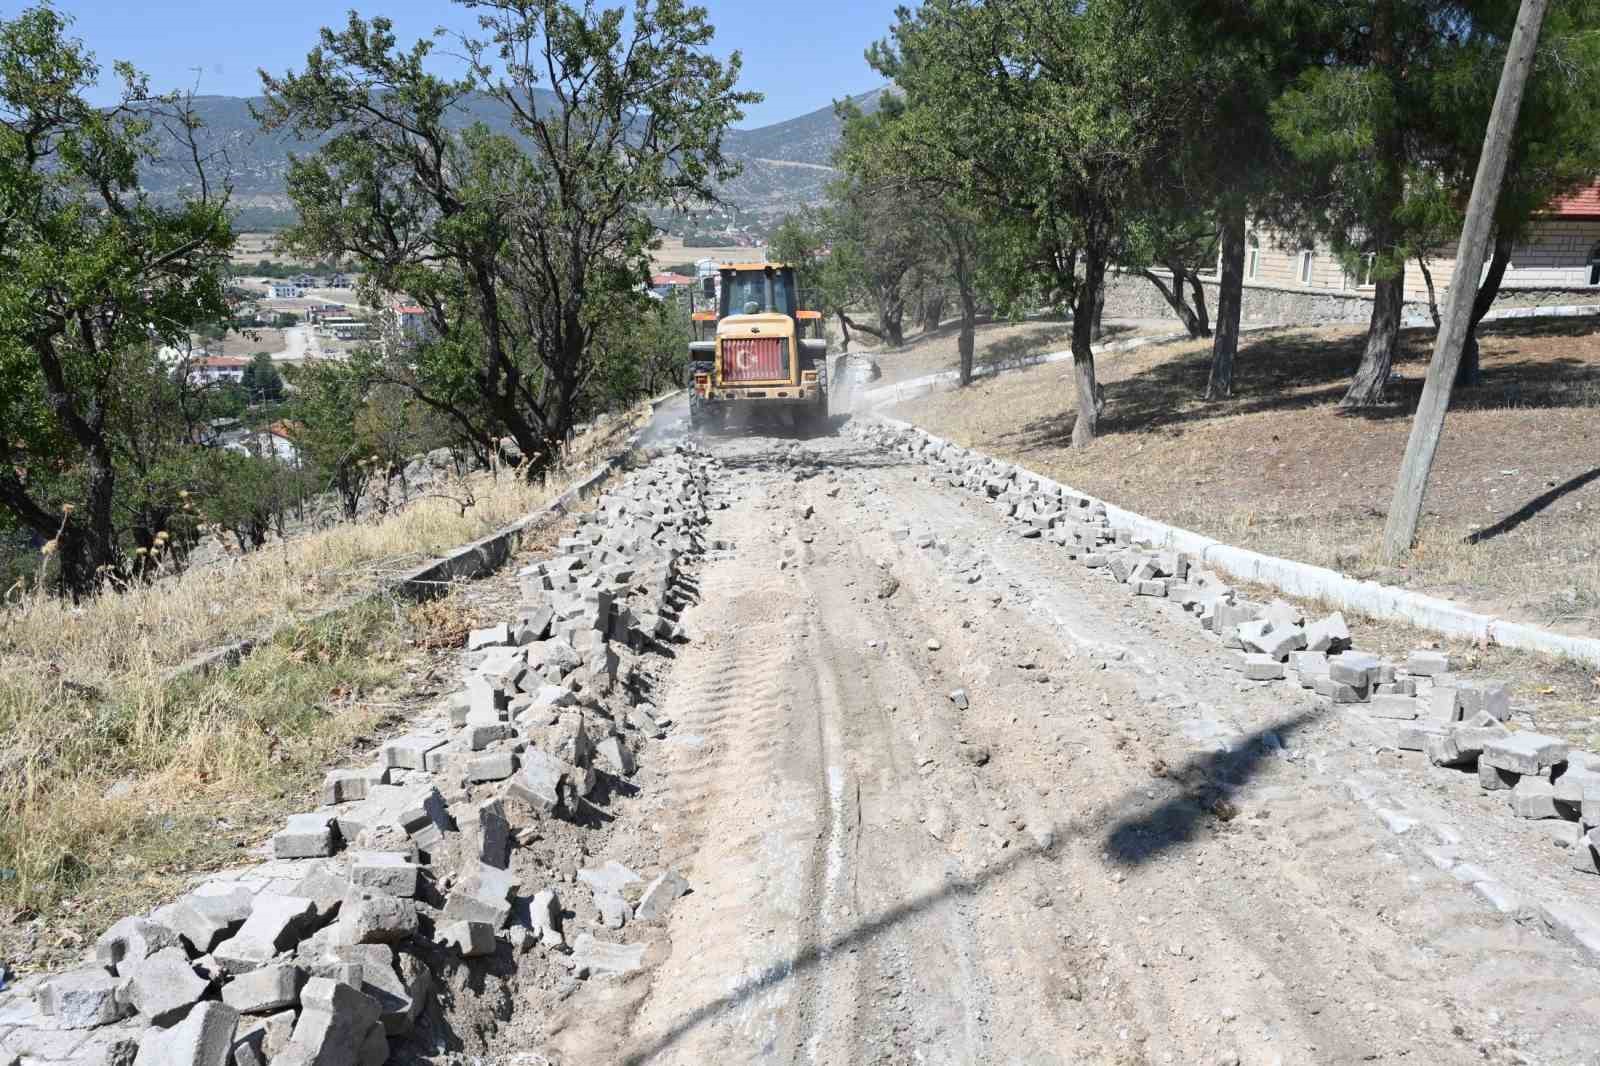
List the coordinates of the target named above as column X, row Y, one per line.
column 1533, row 797
column 491, row 635
column 482, row 894
column 265, row 990
column 495, row 766
column 1524, row 753
column 369, row 917
column 470, row 939
column 659, row 896
column 591, row 957
column 545, row 911
column 164, row 986
column 1308, row 666
column 1354, row 668
column 333, row 1026
column 539, row 781
column 344, row 786
column 1328, row 634
column 277, row 923
column 384, row 871
column 615, row 756
column 1337, row 691
column 1444, row 704
column 257, row 1041
column 306, row 836
column 409, row 752
column 203, row 1038
column 1388, row 706
column 1400, row 687
column 205, row 921
column 131, row 941
column 1494, row 779
column 1488, row 696
column 82, row 999
column 1258, row 667
column 1426, row 662
column 1461, row 745
column 1413, row 736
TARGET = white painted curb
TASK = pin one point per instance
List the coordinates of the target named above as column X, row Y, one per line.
column 1444, row 617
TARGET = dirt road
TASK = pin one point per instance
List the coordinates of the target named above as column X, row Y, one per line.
column 1105, row 848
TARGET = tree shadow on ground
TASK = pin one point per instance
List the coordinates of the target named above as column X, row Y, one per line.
column 1218, row 773
column 1295, row 369
column 1532, row 508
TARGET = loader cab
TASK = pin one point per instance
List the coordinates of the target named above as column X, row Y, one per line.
column 757, row 289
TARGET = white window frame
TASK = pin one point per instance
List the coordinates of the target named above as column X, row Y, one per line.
column 1252, row 257
column 1364, row 270
column 1594, row 265
column 1305, row 263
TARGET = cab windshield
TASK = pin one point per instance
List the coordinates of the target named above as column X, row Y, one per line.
column 750, row 293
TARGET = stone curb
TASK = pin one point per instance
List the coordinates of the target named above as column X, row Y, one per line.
column 1444, row 617
column 473, row 560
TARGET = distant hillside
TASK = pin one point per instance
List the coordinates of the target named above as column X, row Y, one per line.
column 785, row 164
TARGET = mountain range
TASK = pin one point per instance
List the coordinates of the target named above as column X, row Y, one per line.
column 785, row 164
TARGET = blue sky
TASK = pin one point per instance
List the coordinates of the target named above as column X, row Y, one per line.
column 801, row 55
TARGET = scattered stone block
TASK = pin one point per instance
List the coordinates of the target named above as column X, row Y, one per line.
column 496, row 766
column 369, row 917
column 1578, row 787
column 1488, row 696
column 1259, row 667
column 1388, row 706
column 203, row 1038
column 333, row 1026
column 1414, row 736
column 541, row 781
column 257, row 1041
column 82, row 999
column 1337, row 691
column 1308, row 666
column 490, row 834
column 384, row 871
column 410, row 752
column 471, row 939
column 1425, row 662
column 345, row 786
column 591, row 957
column 1443, row 704
column 165, row 986
column 545, row 911
column 1354, row 668
column 1524, row 753
column 1460, row 745
column 205, row 921
column 1399, row 687
column 399, row 997
column 1533, row 797
column 488, row 637
column 482, row 894
column 130, row 942
column 276, row 924
column 609, row 883
column 265, row 990
column 1494, row 779
column 1329, row 635
column 659, row 896
column 615, row 756
column 307, row 836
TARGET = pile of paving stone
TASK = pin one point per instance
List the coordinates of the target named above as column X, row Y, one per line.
column 327, row 953
column 1455, row 721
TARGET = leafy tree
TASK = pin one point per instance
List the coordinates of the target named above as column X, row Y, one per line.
column 1049, row 114
column 519, row 246
column 261, row 380
column 90, row 271
column 328, row 397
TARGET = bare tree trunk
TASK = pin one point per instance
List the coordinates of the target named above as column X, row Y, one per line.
column 1470, row 370
column 1383, row 332
column 1383, row 337
column 1083, row 311
column 1174, row 295
column 1230, row 302
column 1099, row 313
column 969, row 329
column 932, row 312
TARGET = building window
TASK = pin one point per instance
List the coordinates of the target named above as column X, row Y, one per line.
column 1594, row 266
column 1252, row 257
column 1303, row 268
column 1364, row 268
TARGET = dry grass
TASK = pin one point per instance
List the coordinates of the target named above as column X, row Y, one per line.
column 995, row 345
column 105, row 756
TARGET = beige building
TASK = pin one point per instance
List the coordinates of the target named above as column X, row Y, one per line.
column 1562, row 251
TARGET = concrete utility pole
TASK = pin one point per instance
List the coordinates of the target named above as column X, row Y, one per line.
column 1409, row 488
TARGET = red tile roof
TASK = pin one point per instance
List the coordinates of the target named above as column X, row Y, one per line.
column 658, row 280
column 222, row 362
column 1584, row 203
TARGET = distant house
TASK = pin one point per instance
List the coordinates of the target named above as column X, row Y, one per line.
column 405, row 323
column 338, row 281
column 284, row 290
column 214, row 369
column 307, row 281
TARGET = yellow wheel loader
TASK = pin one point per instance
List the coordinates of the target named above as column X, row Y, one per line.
column 752, row 354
